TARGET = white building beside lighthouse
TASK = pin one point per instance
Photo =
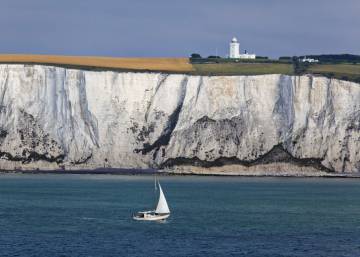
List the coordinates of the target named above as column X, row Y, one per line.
column 234, row 52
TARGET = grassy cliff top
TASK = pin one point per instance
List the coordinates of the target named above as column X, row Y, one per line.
column 343, row 71
column 243, row 68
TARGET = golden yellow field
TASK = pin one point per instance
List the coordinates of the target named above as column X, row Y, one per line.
column 142, row 64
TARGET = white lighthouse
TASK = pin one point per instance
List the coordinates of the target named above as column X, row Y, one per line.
column 234, row 49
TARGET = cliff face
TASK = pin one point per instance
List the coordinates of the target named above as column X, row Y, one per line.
column 62, row 118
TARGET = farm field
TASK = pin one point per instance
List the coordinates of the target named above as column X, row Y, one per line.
column 141, row 64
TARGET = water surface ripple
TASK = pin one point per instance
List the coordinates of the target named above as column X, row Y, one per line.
column 90, row 215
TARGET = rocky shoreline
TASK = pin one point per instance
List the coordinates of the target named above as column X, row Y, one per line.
column 263, row 170
column 192, row 171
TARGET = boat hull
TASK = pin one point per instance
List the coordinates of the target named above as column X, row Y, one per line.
column 151, row 217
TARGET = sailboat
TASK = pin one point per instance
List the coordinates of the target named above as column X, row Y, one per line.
column 161, row 212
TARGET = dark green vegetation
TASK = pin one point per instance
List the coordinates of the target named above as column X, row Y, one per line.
column 328, row 58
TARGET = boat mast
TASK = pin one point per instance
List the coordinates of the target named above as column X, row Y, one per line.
column 155, row 189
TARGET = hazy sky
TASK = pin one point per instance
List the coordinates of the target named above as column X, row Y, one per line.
column 178, row 28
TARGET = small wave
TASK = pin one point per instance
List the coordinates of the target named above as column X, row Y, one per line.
column 87, row 218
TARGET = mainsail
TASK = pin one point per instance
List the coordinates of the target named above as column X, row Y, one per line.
column 162, row 206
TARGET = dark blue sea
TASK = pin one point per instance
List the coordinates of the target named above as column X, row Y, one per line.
column 90, row 215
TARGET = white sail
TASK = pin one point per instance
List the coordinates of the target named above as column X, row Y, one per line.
column 162, row 206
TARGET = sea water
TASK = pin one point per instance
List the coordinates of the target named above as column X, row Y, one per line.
column 91, row 215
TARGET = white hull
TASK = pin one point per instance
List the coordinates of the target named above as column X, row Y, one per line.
column 152, row 217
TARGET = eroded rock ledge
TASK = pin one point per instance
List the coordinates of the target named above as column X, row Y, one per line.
column 276, row 155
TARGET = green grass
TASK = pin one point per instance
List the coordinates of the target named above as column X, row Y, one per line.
column 349, row 72
column 353, row 69
column 242, row 69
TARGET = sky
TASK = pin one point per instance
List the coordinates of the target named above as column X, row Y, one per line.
column 172, row 28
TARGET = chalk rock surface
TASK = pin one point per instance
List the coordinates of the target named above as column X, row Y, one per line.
column 58, row 118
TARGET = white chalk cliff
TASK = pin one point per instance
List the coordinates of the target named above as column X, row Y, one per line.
column 57, row 118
